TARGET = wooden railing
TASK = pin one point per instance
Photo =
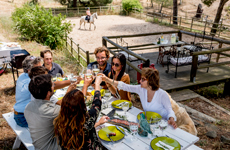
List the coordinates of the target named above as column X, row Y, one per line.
column 77, row 52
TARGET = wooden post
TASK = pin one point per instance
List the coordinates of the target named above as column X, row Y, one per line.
column 71, row 46
column 87, row 57
column 226, row 88
column 146, row 63
column 220, row 28
column 78, row 52
column 193, row 68
column 191, row 25
column 104, row 42
column 180, row 36
column 180, row 21
column 218, row 55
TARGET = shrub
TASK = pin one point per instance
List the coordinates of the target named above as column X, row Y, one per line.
column 130, row 5
column 37, row 23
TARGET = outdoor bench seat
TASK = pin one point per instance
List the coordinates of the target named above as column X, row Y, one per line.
column 23, row 133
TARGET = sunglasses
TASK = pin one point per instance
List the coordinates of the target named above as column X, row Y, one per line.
column 143, row 79
column 115, row 64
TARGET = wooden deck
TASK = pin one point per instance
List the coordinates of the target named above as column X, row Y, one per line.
column 169, row 83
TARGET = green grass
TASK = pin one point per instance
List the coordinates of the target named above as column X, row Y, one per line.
column 211, row 91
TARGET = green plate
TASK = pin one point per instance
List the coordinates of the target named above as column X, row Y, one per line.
column 102, row 133
column 155, row 116
column 115, row 103
column 166, row 140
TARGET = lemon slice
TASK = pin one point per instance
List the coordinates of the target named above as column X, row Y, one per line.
column 102, row 92
column 81, row 82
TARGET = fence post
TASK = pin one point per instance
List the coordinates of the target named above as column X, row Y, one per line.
column 180, row 21
column 193, row 68
column 66, row 13
column 78, row 53
column 220, row 28
column 218, row 55
column 87, row 57
column 180, row 36
column 191, row 25
column 71, row 46
column 104, row 42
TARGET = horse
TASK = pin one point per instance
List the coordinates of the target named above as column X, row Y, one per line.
column 94, row 15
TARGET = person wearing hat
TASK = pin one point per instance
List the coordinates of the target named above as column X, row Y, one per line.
column 88, row 14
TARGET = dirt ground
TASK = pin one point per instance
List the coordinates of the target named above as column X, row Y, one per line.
column 89, row 40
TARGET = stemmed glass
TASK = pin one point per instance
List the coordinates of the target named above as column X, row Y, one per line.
column 58, row 76
column 133, row 128
column 163, row 124
column 95, row 69
column 88, row 72
column 125, row 108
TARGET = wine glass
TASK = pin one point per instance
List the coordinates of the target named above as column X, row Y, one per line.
column 58, row 76
column 133, row 126
column 163, row 124
column 73, row 78
column 88, row 72
column 125, row 107
column 95, row 69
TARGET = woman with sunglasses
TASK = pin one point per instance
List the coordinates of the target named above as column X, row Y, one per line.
column 117, row 73
column 75, row 126
column 152, row 97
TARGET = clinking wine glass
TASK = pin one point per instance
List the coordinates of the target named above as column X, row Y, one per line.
column 163, row 124
column 73, row 79
column 88, row 73
column 125, row 107
column 95, row 69
column 58, row 76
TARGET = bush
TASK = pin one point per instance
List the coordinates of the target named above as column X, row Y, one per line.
column 37, row 23
column 130, row 5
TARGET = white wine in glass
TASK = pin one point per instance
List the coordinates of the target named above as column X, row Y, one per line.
column 88, row 75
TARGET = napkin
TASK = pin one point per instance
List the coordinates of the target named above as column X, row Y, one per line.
column 164, row 145
column 120, row 104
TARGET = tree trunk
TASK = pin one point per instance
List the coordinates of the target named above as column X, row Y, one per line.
column 74, row 3
column 175, row 12
column 218, row 16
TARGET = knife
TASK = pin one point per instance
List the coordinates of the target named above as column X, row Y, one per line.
column 120, row 130
column 109, row 137
column 111, row 113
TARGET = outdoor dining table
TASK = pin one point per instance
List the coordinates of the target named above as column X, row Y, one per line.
column 143, row 143
column 166, row 49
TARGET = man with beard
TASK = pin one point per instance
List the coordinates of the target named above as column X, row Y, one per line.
column 41, row 112
column 102, row 56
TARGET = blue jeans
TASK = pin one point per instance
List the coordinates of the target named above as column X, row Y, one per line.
column 20, row 120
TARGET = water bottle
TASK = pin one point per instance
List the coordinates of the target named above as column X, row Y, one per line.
column 173, row 38
column 162, row 38
column 144, row 128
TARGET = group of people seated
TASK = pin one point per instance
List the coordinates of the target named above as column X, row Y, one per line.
column 67, row 124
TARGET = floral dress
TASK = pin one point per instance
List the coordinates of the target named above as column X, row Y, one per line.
column 91, row 139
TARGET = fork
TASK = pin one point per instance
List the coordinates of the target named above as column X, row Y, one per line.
column 109, row 137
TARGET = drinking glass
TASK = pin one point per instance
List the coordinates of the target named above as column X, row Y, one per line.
column 58, row 76
column 88, row 72
column 133, row 126
column 163, row 124
column 125, row 107
column 95, row 69
column 73, row 78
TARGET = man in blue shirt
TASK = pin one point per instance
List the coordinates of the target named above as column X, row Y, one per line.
column 22, row 94
column 53, row 68
column 102, row 56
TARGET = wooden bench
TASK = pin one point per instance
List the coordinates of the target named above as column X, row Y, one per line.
column 23, row 134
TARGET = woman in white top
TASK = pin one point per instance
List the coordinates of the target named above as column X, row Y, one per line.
column 152, row 97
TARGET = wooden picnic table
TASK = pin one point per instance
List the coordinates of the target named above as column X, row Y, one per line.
column 184, row 138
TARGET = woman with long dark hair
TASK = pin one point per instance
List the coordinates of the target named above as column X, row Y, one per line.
column 117, row 73
column 74, row 126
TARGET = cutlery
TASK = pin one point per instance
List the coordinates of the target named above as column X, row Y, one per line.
column 165, row 147
column 111, row 113
column 120, row 130
column 107, row 134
